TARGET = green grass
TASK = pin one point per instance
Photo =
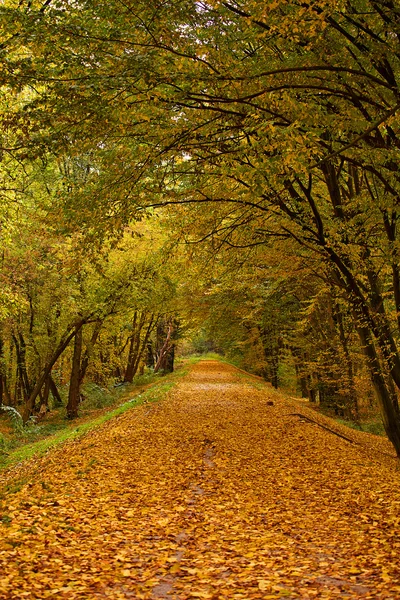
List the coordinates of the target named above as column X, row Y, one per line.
column 376, row 427
column 53, row 434
column 214, row 356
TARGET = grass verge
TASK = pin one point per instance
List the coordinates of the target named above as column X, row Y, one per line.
column 66, row 430
column 374, row 425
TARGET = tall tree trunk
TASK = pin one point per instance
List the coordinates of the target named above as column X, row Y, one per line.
column 1, row 374
column 3, row 382
column 374, row 326
column 338, row 317
column 20, row 348
column 46, row 392
column 145, row 341
column 150, row 361
column 302, row 379
column 165, row 348
column 137, row 349
column 89, row 351
column 387, row 400
column 133, row 347
column 368, row 311
column 390, row 223
column 74, row 384
column 130, row 366
column 170, row 360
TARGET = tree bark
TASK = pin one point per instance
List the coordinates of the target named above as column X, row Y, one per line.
column 136, row 351
column 89, row 351
column 74, row 384
column 54, row 392
column 134, row 345
column 20, row 348
column 387, row 402
column 165, row 348
column 338, row 317
column 2, row 374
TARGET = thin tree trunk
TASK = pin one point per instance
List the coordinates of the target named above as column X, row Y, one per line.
column 54, row 392
column 46, row 392
column 149, row 329
column 134, row 347
column 20, row 348
column 338, row 316
column 150, row 355
column 137, row 349
column 164, row 349
column 89, row 351
column 2, row 374
column 74, row 384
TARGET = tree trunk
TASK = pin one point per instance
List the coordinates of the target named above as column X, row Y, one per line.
column 74, row 384
column 338, row 317
column 65, row 340
column 301, row 377
column 165, row 348
column 134, row 345
column 55, row 393
column 2, row 375
column 46, row 392
column 368, row 329
column 129, row 374
column 387, row 401
column 150, row 362
column 89, row 351
column 20, row 348
column 136, row 351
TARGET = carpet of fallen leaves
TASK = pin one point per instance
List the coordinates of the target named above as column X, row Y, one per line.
column 219, row 491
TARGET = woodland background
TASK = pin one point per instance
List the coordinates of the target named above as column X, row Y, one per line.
column 221, row 176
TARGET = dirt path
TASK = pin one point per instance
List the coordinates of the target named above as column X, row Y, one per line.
column 213, row 493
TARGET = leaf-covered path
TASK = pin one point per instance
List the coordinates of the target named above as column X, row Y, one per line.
column 219, row 491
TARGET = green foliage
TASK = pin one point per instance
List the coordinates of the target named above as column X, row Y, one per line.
column 374, row 427
column 95, row 397
column 3, row 444
column 14, row 417
column 146, row 379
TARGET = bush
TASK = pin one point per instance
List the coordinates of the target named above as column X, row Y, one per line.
column 95, row 396
column 14, row 416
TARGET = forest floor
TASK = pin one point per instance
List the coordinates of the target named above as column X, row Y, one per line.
column 224, row 489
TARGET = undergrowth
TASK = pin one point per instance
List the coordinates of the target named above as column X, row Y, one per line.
column 376, row 427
